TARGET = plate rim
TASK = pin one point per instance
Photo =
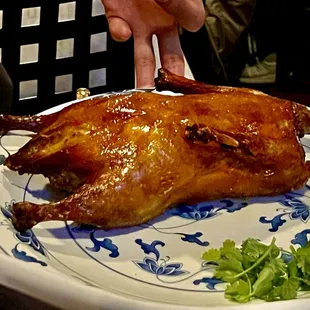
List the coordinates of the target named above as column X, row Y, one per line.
column 98, row 298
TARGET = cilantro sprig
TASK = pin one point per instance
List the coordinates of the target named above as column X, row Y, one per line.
column 258, row 271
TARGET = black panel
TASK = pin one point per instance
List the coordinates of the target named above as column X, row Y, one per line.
column 117, row 60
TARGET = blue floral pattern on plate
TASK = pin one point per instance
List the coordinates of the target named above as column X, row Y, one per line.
column 163, row 269
column 206, row 210
column 301, row 238
column 210, row 282
column 106, row 243
column 295, row 209
column 26, row 238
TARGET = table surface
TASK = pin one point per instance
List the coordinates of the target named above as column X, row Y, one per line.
column 13, row 300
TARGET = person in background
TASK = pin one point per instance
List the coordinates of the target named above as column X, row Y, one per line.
column 217, row 53
column 144, row 18
column 262, row 43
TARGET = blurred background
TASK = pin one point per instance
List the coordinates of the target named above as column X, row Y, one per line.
column 50, row 49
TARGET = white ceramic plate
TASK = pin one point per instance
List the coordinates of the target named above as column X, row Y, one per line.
column 155, row 266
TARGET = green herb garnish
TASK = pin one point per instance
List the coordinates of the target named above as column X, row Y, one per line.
column 258, row 271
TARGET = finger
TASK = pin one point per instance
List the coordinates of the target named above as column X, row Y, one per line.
column 119, row 29
column 171, row 54
column 144, row 61
column 190, row 14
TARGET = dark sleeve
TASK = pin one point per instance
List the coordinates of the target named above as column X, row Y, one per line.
column 6, row 90
column 226, row 21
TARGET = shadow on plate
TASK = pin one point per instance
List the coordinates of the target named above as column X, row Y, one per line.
column 23, row 182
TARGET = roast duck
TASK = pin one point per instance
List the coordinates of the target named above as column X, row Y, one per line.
column 125, row 159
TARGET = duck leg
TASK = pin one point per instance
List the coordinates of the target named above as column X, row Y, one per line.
column 30, row 123
column 75, row 114
column 179, row 84
column 113, row 200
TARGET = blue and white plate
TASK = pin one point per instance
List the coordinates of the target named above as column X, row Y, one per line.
column 157, row 265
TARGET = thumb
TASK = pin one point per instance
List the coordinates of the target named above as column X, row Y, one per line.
column 190, row 14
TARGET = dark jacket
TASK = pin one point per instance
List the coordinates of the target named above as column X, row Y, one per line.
column 216, row 53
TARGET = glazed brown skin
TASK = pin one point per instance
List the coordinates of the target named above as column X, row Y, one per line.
column 127, row 158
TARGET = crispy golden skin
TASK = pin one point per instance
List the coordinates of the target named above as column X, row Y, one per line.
column 125, row 159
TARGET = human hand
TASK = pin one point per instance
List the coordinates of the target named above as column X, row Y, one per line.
column 144, row 18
